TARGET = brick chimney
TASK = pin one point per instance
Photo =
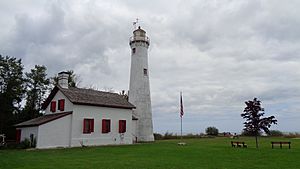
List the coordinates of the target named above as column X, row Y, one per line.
column 63, row 79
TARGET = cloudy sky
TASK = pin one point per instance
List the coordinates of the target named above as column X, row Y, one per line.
column 219, row 53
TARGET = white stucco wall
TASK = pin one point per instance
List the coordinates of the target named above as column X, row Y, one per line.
column 134, row 132
column 55, row 133
column 59, row 95
column 97, row 137
column 26, row 131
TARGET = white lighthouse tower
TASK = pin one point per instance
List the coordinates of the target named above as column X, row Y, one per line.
column 139, row 88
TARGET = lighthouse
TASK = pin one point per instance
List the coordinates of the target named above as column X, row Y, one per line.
column 139, row 87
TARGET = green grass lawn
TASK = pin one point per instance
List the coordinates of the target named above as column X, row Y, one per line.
column 212, row 153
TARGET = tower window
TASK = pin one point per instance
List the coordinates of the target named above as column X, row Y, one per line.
column 133, row 50
column 145, row 72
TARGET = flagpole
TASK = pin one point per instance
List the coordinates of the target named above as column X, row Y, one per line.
column 181, row 127
column 181, row 115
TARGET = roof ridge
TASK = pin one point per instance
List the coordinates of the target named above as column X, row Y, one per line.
column 93, row 97
column 94, row 90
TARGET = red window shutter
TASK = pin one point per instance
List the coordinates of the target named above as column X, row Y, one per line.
column 62, row 104
column 18, row 135
column 53, row 106
column 103, row 126
column 84, row 126
column 92, row 125
column 120, row 126
column 124, row 126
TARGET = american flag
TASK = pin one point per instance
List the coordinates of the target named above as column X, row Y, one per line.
column 181, row 106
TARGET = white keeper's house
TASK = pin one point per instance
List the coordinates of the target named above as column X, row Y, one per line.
column 76, row 117
column 84, row 117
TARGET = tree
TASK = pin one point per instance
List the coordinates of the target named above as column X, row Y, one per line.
column 12, row 90
column 253, row 113
column 72, row 80
column 275, row 133
column 37, row 85
column 212, row 131
column 124, row 94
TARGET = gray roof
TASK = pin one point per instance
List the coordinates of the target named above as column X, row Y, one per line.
column 91, row 97
column 42, row 120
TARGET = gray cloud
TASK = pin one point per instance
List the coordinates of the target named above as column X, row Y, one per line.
column 219, row 53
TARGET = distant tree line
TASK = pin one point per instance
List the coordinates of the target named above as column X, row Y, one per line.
column 210, row 133
column 22, row 93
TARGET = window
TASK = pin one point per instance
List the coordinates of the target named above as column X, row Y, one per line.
column 53, row 106
column 105, row 125
column 122, row 126
column 145, row 72
column 88, row 126
column 61, row 104
column 133, row 50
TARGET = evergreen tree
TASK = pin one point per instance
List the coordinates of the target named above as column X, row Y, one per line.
column 253, row 114
column 12, row 90
column 37, row 85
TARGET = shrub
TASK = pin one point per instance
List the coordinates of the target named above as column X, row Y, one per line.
column 25, row 143
column 213, row 131
column 247, row 133
column 169, row 136
column 275, row 133
column 157, row 136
